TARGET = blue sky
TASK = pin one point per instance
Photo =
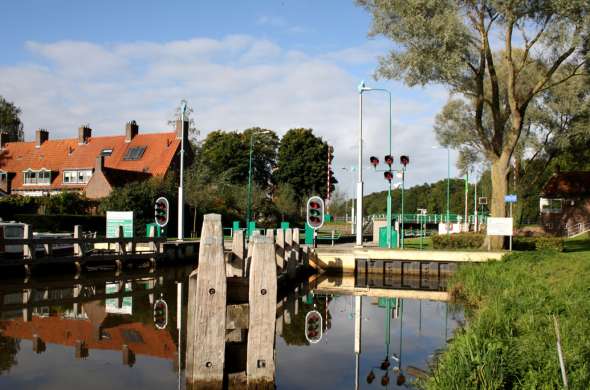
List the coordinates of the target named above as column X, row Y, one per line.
column 274, row 64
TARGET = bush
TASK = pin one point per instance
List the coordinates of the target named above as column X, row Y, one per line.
column 457, row 241
column 63, row 223
column 538, row 243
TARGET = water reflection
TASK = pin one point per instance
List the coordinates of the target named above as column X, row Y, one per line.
column 102, row 331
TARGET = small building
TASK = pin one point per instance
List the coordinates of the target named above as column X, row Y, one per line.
column 565, row 201
column 86, row 164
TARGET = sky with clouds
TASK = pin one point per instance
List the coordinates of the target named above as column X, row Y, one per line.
column 273, row 64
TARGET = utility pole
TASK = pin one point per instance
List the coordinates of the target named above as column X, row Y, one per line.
column 183, row 108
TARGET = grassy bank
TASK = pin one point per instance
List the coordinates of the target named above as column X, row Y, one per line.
column 510, row 341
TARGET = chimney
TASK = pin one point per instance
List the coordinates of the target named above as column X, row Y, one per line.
column 41, row 136
column 179, row 129
column 99, row 163
column 84, row 134
column 131, row 130
column 3, row 139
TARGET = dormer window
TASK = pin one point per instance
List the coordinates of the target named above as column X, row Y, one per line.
column 106, row 152
column 77, row 176
column 40, row 177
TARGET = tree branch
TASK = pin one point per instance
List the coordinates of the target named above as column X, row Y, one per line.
column 530, row 44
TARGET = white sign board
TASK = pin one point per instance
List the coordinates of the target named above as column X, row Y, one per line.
column 499, row 226
column 119, row 218
column 453, row 228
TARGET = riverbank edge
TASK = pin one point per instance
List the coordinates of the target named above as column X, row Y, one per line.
column 510, row 338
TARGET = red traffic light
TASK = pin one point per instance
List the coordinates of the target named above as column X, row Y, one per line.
column 375, row 161
column 315, row 212
column 405, row 160
column 389, row 160
column 388, row 176
column 161, row 211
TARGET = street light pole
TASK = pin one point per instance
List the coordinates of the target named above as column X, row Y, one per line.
column 448, row 189
column 363, row 88
column 180, row 234
column 359, row 184
column 249, row 205
column 249, row 200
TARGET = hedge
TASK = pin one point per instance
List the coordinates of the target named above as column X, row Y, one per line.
column 457, row 241
column 63, row 223
column 540, row 243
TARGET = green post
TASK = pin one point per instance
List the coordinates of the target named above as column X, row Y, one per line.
column 403, row 185
column 249, row 205
column 448, row 188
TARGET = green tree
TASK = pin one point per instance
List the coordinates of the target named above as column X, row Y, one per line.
column 10, row 122
column 285, row 200
column 449, row 43
column 225, row 155
column 302, row 163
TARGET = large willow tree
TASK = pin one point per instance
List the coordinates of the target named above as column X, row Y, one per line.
column 496, row 56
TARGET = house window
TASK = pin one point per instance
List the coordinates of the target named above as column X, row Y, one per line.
column 134, row 153
column 78, row 176
column 106, row 152
column 44, row 177
column 552, row 206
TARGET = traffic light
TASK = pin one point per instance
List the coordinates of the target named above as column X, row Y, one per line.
column 315, row 212
column 388, row 176
column 405, row 160
column 160, row 314
column 313, row 326
column 374, row 161
column 389, row 160
column 161, row 211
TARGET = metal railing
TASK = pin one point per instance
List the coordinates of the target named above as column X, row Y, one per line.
column 577, row 229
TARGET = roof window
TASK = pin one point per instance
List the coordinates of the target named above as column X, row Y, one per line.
column 135, row 153
column 106, row 152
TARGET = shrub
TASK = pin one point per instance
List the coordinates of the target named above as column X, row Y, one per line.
column 63, row 223
column 457, row 241
column 538, row 243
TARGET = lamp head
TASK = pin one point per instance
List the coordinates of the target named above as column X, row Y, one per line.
column 362, row 87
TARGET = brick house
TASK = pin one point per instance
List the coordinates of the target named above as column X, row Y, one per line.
column 565, row 201
column 86, row 164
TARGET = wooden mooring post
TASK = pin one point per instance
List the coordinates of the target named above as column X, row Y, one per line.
column 236, row 260
column 206, row 310
column 280, row 250
column 260, row 365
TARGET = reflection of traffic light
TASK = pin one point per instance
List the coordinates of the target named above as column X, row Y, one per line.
column 313, row 326
column 160, row 314
column 161, row 211
column 388, row 176
column 405, row 160
column 315, row 212
column 389, row 160
column 374, row 161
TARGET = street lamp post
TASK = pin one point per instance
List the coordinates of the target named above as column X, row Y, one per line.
column 359, row 184
column 448, row 186
column 183, row 109
column 249, row 200
column 363, row 88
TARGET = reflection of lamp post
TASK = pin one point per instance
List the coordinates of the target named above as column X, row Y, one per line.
column 358, row 311
column 249, row 205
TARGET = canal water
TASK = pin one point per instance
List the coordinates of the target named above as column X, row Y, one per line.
column 100, row 332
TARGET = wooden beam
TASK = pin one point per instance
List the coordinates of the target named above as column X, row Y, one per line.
column 260, row 366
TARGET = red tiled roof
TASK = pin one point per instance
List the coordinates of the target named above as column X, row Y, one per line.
column 63, row 331
column 60, row 155
column 567, row 184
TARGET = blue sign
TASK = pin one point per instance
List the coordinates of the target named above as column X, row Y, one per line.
column 510, row 198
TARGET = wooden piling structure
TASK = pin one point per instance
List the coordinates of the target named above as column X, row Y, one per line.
column 236, row 261
column 260, row 365
column 280, row 250
column 206, row 309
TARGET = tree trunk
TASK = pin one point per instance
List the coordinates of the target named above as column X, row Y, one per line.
column 499, row 190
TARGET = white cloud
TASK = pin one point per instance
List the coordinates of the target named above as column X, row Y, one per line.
column 232, row 83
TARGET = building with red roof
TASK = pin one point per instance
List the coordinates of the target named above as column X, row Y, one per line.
column 87, row 164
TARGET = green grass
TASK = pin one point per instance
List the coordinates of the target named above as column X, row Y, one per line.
column 509, row 341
